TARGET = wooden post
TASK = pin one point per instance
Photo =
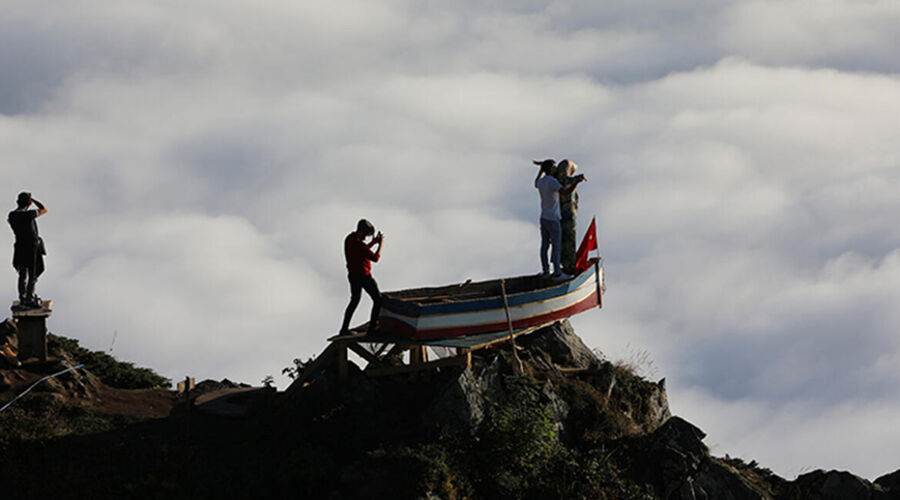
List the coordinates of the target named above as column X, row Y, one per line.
column 342, row 360
column 517, row 368
column 186, row 386
column 467, row 352
column 373, row 359
column 416, row 358
column 187, row 408
column 32, row 330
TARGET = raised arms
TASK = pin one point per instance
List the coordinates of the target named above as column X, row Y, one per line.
column 41, row 208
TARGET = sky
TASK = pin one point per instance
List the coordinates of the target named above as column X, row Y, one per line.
column 202, row 162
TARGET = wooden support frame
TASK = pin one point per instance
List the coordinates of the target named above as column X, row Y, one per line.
column 339, row 346
column 397, row 349
column 364, row 354
column 464, row 360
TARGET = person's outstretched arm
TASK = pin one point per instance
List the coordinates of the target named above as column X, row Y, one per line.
column 41, row 208
column 569, row 183
column 380, row 246
column 539, row 175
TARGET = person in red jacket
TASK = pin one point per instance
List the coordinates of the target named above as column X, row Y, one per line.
column 359, row 257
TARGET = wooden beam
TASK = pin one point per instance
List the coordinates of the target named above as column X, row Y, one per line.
column 506, row 339
column 465, row 352
column 342, row 360
column 346, row 337
column 366, row 355
column 397, row 349
column 570, row 370
column 429, row 365
column 381, row 349
column 313, row 367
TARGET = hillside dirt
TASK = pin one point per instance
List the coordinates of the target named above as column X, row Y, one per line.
column 86, row 392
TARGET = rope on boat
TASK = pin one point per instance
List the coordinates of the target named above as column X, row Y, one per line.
column 512, row 338
column 32, row 386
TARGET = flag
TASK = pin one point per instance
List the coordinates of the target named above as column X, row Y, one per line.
column 587, row 244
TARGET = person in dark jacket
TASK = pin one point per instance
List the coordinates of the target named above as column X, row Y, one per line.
column 28, row 250
column 359, row 257
column 568, row 208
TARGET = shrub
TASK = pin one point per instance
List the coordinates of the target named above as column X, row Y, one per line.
column 114, row 373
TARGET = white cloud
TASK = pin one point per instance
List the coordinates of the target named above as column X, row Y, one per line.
column 799, row 437
column 853, row 35
column 202, row 164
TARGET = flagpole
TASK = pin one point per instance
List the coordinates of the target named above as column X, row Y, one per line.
column 597, row 265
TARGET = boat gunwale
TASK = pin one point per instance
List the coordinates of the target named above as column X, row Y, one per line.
column 475, row 329
column 417, row 309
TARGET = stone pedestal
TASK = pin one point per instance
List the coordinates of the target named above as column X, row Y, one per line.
column 32, row 325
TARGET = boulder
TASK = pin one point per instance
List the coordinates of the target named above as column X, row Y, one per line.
column 79, row 383
column 9, row 344
column 563, row 346
column 677, row 464
column 9, row 333
column 460, row 402
column 890, row 482
column 210, row 385
column 557, row 405
column 674, row 455
column 840, row 485
column 658, row 408
column 717, row 480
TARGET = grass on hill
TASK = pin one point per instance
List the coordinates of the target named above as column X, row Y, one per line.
column 112, row 372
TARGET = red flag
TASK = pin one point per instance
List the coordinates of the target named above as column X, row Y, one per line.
column 587, row 244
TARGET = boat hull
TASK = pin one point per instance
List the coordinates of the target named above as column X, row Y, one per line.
column 488, row 314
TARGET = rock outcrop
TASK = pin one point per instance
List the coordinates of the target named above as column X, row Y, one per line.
column 889, row 482
column 562, row 345
column 569, row 424
column 678, row 465
column 842, row 485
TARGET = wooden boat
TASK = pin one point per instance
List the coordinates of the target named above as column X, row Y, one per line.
column 482, row 307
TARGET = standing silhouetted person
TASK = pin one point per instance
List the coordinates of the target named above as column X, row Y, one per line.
column 359, row 257
column 551, row 231
column 568, row 208
column 28, row 250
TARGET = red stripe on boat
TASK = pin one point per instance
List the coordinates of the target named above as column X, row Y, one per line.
column 400, row 328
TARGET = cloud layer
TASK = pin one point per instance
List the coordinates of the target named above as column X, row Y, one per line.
column 203, row 162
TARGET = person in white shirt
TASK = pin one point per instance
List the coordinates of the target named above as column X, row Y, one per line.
column 551, row 230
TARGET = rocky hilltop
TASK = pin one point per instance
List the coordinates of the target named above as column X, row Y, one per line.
column 570, row 424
